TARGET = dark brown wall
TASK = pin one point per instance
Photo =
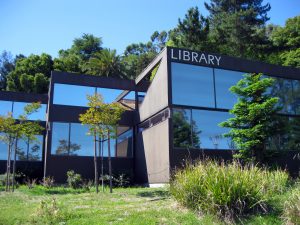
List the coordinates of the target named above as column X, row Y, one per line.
column 84, row 165
column 30, row 169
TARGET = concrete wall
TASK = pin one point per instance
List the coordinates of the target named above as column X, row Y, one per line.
column 156, row 98
column 152, row 155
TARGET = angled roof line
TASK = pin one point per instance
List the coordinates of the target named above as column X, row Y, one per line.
column 154, row 62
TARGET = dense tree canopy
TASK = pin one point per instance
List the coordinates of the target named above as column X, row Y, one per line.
column 31, row 74
column 75, row 58
column 286, row 42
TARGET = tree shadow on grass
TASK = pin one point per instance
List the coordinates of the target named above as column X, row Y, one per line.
column 154, row 193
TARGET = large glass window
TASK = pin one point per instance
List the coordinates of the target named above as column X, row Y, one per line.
column 283, row 89
column 5, row 107
column 210, row 134
column 27, row 150
column 296, row 95
column 3, row 150
column 60, row 138
column 74, row 95
column 192, row 85
column 200, row 129
column 224, row 80
column 73, row 139
column 81, row 143
column 124, row 144
column 65, row 94
column 182, row 128
column 18, row 110
column 287, row 134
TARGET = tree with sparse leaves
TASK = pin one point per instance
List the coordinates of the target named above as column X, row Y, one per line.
column 102, row 120
column 254, row 120
column 12, row 131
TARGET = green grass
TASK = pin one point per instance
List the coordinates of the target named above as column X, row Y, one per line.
column 124, row 206
column 60, row 205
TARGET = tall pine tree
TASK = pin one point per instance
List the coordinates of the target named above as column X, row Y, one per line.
column 236, row 26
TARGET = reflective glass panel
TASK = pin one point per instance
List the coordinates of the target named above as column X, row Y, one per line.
column 5, row 107
column 224, row 80
column 124, row 144
column 3, row 150
column 182, row 129
column 22, row 150
column 65, row 94
column 296, row 95
column 60, row 138
column 209, row 132
column 287, row 135
column 192, row 85
column 35, row 149
column 81, row 143
column 283, row 89
column 112, row 147
column 109, row 95
column 39, row 115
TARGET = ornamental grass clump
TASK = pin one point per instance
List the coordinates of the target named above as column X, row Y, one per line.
column 227, row 190
column 291, row 210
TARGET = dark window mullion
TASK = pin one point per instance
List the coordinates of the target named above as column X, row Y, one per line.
column 214, row 83
column 69, row 141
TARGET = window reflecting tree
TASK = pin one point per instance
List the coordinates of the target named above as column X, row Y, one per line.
column 186, row 133
column 66, row 148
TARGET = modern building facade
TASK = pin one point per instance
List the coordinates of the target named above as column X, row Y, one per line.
column 168, row 120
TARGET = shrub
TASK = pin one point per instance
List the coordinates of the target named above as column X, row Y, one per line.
column 291, row 212
column 121, row 180
column 74, row 179
column 87, row 185
column 30, row 183
column 227, row 190
column 48, row 182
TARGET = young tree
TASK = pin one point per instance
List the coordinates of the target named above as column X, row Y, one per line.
column 93, row 118
column 102, row 120
column 12, row 131
column 25, row 130
column 255, row 117
column 111, row 116
column 7, row 129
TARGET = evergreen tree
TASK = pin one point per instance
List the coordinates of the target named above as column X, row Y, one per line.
column 236, row 26
column 254, row 120
column 191, row 32
column 31, row 74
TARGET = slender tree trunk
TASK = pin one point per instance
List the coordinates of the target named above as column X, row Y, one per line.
column 95, row 163
column 109, row 163
column 102, row 165
column 14, row 165
column 7, row 183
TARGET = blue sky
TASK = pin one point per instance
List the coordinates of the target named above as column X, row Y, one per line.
column 36, row 26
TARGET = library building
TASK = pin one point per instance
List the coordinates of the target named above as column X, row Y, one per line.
column 169, row 120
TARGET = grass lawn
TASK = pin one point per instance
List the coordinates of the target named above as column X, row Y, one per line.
column 60, row 205
column 67, row 206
